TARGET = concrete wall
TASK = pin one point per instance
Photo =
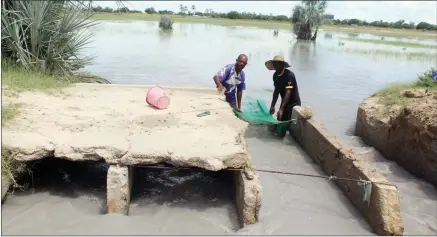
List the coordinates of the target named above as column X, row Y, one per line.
column 383, row 211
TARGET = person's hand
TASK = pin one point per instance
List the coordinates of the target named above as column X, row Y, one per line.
column 220, row 89
column 272, row 110
column 280, row 112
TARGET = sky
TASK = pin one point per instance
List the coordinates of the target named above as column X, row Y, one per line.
column 415, row 11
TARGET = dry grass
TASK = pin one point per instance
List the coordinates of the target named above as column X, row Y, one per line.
column 11, row 168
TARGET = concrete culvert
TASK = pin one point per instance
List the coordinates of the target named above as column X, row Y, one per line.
column 187, row 191
column 65, row 179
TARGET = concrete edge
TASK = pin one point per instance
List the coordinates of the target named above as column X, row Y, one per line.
column 182, row 88
column 383, row 211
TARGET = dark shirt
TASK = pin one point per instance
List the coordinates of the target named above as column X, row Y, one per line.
column 287, row 81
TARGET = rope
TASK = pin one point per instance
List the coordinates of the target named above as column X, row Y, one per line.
column 332, row 177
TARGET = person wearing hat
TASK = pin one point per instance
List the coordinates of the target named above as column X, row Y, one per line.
column 231, row 80
column 286, row 86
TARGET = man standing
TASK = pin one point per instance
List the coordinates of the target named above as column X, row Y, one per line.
column 286, row 86
column 231, row 79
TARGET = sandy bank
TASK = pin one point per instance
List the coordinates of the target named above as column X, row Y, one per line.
column 114, row 123
column 407, row 134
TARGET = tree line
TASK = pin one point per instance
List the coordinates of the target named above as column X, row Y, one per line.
column 401, row 24
column 191, row 10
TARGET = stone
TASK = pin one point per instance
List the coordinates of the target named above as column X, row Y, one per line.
column 408, row 137
column 118, row 188
column 248, row 197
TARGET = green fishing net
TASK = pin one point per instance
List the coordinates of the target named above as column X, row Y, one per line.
column 257, row 113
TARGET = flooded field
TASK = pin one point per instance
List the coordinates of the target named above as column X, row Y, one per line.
column 334, row 75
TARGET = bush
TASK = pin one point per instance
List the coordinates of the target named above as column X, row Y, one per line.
column 427, row 79
column 165, row 23
column 47, row 35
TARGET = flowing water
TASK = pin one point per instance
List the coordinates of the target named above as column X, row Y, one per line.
column 332, row 82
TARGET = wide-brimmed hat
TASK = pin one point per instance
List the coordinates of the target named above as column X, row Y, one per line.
column 269, row 64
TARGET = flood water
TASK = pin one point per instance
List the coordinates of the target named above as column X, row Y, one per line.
column 333, row 83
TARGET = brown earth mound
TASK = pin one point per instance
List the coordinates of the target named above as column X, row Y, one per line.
column 405, row 133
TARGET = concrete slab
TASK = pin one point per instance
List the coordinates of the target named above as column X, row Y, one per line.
column 114, row 123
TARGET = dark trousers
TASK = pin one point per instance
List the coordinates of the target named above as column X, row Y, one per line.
column 286, row 115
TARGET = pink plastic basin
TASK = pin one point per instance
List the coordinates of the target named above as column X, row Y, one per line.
column 157, row 98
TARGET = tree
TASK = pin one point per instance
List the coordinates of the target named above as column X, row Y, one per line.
column 193, row 8
column 306, row 16
column 150, row 10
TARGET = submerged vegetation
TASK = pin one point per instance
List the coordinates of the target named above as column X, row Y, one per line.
column 391, row 42
column 405, row 55
column 165, row 23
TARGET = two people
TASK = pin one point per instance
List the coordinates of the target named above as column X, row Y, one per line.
column 231, row 80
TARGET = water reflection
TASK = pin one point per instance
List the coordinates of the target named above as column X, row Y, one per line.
column 165, row 35
column 303, row 52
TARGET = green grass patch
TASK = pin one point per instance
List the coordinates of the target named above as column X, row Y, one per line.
column 390, row 97
column 16, row 79
column 19, row 79
column 391, row 42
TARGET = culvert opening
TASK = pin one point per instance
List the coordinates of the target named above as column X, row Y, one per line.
column 82, row 182
column 185, row 190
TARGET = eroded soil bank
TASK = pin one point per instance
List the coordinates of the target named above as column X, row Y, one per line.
column 405, row 133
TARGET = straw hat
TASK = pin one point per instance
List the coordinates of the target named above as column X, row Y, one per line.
column 269, row 64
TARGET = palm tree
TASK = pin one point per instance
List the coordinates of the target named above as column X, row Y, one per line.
column 308, row 15
column 193, row 8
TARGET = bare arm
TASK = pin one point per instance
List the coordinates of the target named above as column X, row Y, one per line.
column 275, row 98
column 285, row 99
column 239, row 95
column 217, row 81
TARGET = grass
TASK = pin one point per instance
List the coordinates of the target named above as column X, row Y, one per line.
column 284, row 25
column 11, row 168
column 9, row 112
column 391, row 42
column 390, row 97
column 18, row 79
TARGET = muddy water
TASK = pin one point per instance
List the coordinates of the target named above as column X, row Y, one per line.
column 332, row 83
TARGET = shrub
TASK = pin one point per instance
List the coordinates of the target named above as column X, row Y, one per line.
column 427, row 79
column 47, row 35
column 165, row 23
